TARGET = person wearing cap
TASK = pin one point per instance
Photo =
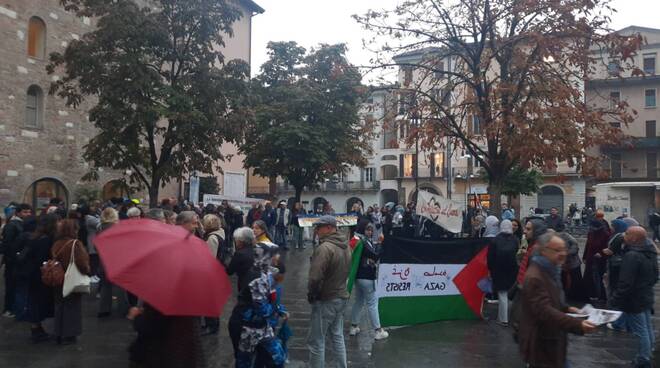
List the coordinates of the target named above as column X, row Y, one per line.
column 282, row 215
column 328, row 273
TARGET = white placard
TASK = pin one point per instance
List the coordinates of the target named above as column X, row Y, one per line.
column 444, row 212
column 234, row 184
column 409, row 279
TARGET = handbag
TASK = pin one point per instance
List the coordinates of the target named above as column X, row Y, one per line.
column 52, row 273
column 74, row 280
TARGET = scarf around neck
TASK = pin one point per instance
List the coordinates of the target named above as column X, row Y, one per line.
column 549, row 268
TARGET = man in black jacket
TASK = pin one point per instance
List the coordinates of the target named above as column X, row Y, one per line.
column 10, row 234
column 634, row 291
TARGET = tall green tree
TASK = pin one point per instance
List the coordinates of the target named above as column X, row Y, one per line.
column 166, row 98
column 307, row 126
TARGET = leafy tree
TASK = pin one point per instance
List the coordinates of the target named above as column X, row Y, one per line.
column 166, row 98
column 307, row 126
column 208, row 185
column 521, row 181
column 515, row 67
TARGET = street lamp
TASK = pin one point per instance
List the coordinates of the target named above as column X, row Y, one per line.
column 415, row 120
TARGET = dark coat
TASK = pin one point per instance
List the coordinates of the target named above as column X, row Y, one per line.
column 166, row 341
column 40, row 297
column 555, row 223
column 368, row 260
column 10, row 234
column 597, row 239
column 502, row 261
column 240, row 264
column 637, row 276
column 543, row 323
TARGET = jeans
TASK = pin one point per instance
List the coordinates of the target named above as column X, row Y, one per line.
column 641, row 326
column 503, row 306
column 280, row 236
column 297, row 237
column 327, row 319
column 365, row 293
column 621, row 324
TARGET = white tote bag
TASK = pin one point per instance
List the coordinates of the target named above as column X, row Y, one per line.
column 74, row 281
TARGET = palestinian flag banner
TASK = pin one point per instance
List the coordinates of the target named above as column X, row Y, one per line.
column 356, row 245
column 422, row 281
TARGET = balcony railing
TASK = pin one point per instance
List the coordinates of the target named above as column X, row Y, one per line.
column 330, row 186
column 632, row 143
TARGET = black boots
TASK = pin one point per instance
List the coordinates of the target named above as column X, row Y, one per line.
column 37, row 335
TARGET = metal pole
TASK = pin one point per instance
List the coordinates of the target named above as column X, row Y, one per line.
column 449, row 173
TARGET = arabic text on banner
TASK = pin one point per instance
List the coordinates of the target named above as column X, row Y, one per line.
column 444, row 212
column 417, row 279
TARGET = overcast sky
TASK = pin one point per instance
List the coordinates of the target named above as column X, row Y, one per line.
column 310, row 22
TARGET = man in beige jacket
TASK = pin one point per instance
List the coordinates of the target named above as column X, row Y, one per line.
column 328, row 272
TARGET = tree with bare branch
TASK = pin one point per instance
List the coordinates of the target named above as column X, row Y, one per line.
column 517, row 67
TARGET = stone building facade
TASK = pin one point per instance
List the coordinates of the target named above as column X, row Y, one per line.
column 42, row 140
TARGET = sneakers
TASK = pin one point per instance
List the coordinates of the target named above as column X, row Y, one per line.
column 94, row 279
column 381, row 334
column 8, row 314
column 354, row 330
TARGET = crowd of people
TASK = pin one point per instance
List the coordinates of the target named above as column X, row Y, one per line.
column 539, row 268
column 535, row 266
column 249, row 248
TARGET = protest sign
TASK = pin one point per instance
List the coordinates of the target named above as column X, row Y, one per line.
column 444, row 212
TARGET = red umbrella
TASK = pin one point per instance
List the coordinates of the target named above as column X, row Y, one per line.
column 165, row 266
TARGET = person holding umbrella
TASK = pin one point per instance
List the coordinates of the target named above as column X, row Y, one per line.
column 170, row 272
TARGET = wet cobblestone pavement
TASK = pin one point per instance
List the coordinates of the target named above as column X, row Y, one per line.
column 443, row 344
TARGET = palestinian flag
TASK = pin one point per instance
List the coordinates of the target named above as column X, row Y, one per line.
column 356, row 248
column 422, row 281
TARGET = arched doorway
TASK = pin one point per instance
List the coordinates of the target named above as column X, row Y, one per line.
column 115, row 189
column 318, row 204
column 353, row 200
column 39, row 193
column 551, row 196
column 388, row 195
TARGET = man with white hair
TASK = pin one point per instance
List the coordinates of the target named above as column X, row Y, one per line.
column 188, row 220
column 281, row 223
column 133, row 213
column 544, row 324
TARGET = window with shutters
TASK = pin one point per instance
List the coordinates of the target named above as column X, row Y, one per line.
column 34, row 107
column 36, row 46
column 650, row 129
column 649, row 98
column 649, row 64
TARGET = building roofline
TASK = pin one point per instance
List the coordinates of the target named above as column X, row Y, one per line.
column 252, row 6
column 633, row 28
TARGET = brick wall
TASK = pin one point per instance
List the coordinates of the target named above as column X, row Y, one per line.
column 53, row 150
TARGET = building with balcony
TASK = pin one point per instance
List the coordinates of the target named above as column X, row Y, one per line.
column 633, row 183
column 450, row 171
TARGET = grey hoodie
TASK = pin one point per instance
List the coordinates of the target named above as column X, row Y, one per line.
column 329, row 269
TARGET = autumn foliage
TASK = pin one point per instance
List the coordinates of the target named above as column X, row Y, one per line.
column 518, row 67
